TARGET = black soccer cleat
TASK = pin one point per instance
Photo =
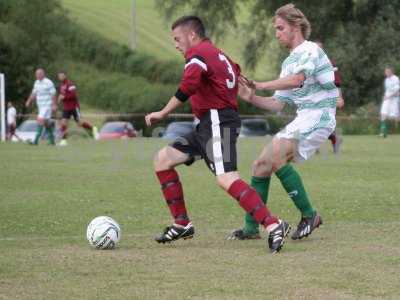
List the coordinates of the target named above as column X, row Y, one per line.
column 276, row 237
column 176, row 232
column 307, row 226
column 240, row 234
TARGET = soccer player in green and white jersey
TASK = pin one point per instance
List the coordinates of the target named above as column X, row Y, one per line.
column 390, row 105
column 307, row 81
column 44, row 93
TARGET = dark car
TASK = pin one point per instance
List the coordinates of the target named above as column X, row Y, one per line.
column 117, row 130
column 254, row 127
column 177, row 129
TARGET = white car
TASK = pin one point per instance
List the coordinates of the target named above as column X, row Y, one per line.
column 26, row 131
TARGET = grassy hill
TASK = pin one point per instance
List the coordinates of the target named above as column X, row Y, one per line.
column 113, row 19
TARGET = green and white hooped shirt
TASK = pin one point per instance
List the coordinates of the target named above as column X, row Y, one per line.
column 44, row 90
column 392, row 85
column 318, row 91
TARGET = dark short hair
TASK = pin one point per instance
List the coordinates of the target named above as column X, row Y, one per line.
column 62, row 72
column 194, row 22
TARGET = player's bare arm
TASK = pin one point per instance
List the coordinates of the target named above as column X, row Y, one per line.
column 266, row 103
column 54, row 103
column 289, row 82
column 154, row 117
column 61, row 97
column 30, row 99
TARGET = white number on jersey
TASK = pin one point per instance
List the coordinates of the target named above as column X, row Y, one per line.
column 229, row 83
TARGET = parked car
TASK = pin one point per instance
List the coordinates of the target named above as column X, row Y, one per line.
column 177, row 129
column 26, row 131
column 254, row 127
column 117, row 130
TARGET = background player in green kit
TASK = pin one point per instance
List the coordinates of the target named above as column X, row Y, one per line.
column 44, row 93
column 306, row 81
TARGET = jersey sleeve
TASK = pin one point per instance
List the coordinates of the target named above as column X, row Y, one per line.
column 306, row 64
column 34, row 89
column 52, row 89
column 283, row 96
column 70, row 91
column 195, row 67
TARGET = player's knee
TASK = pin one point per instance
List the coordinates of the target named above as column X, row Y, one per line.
column 261, row 168
column 162, row 161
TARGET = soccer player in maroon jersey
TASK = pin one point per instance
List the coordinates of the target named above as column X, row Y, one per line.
column 69, row 97
column 210, row 81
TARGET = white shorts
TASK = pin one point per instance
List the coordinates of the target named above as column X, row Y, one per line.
column 311, row 130
column 44, row 112
column 390, row 108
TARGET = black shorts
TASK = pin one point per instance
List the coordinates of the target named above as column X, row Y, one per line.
column 73, row 112
column 214, row 140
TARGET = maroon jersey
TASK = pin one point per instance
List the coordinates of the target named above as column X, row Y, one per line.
column 210, row 79
column 338, row 78
column 68, row 90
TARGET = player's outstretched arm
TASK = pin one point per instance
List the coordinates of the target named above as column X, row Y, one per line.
column 289, row 82
column 268, row 103
column 154, row 117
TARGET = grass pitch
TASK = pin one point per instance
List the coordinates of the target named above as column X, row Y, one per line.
column 48, row 196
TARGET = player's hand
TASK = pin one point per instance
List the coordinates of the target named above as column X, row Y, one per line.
column 153, row 117
column 245, row 92
column 27, row 103
column 340, row 103
column 247, row 82
column 54, row 107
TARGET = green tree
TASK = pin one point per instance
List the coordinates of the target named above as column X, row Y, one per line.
column 30, row 36
column 359, row 34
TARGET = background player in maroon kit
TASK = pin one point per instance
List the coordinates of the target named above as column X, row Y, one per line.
column 335, row 139
column 69, row 97
column 210, row 80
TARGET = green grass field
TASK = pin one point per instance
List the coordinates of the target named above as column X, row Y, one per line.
column 49, row 195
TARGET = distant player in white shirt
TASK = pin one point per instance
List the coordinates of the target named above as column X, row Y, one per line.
column 307, row 82
column 11, row 120
column 44, row 93
column 390, row 103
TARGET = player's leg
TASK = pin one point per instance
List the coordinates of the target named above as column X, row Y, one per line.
column 292, row 182
column 64, row 124
column 49, row 127
column 383, row 130
column 165, row 162
column 219, row 151
column 252, row 204
column 40, row 125
column 90, row 129
column 260, row 181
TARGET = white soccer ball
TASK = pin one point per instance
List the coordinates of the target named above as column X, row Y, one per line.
column 103, row 233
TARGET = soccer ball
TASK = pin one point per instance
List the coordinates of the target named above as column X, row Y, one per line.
column 103, row 233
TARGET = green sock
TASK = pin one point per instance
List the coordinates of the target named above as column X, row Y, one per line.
column 383, row 128
column 50, row 134
column 38, row 134
column 291, row 181
column 261, row 185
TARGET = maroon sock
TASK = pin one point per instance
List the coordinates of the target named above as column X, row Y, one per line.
column 173, row 194
column 64, row 131
column 332, row 137
column 87, row 126
column 251, row 202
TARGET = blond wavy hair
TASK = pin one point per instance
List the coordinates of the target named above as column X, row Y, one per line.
column 294, row 17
